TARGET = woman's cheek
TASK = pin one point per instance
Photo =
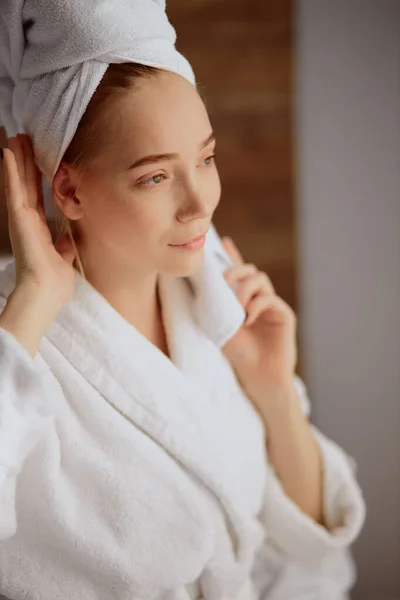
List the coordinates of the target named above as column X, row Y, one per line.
column 214, row 191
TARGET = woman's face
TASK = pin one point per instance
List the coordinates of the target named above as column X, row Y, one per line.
column 155, row 183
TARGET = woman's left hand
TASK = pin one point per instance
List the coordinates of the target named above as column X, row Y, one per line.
column 263, row 352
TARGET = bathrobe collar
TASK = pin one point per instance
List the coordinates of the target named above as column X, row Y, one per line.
column 165, row 397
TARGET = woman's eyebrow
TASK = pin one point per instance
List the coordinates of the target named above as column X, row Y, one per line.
column 155, row 158
column 211, row 138
column 152, row 158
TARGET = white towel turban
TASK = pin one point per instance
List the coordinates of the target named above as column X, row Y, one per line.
column 53, row 54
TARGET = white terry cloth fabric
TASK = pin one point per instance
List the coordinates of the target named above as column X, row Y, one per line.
column 126, row 474
column 53, row 55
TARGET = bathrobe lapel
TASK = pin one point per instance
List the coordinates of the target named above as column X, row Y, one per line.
column 167, row 399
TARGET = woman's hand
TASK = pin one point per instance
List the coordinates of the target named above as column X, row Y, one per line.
column 40, row 265
column 263, row 352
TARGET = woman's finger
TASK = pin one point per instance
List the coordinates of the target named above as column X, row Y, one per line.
column 249, row 287
column 30, row 171
column 11, row 182
column 232, row 250
column 15, row 145
column 262, row 302
column 33, row 179
column 239, row 272
column 268, row 283
column 40, row 198
column 256, row 307
column 234, row 274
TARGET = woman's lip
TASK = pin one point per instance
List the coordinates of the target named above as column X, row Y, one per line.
column 195, row 244
column 192, row 241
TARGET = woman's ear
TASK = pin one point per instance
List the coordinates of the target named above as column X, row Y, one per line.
column 63, row 189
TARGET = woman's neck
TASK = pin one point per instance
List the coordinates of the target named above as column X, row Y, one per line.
column 135, row 296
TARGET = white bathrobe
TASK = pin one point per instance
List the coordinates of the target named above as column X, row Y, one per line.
column 126, row 475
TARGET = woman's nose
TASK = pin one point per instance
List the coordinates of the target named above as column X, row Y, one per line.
column 197, row 205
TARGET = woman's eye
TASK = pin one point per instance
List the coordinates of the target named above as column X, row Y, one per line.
column 209, row 160
column 157, row 179
column 154, row 180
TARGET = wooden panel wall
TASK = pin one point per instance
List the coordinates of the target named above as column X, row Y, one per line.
column 241, row 51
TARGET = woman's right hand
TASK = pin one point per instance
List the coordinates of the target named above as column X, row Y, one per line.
column 39, row 264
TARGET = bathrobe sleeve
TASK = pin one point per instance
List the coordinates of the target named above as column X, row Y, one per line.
column 294, row 533
column 23, row 418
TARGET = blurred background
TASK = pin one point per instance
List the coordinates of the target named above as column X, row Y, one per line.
column 304, row 97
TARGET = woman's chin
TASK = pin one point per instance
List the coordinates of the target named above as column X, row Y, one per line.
column 186, row 265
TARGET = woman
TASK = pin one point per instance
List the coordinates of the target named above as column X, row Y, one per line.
column 139, row 458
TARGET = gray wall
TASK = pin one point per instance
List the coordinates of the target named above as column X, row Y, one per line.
column 348, row 119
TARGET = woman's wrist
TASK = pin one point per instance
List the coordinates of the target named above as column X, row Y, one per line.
column 27, row 315
column 277, row 403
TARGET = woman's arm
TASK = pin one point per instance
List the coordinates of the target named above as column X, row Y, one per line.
column 293, row 450
column 292, row 531
column 313, row 505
